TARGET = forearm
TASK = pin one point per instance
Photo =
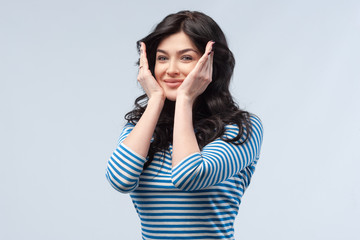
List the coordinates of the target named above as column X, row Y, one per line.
column 139, row 138
column 220, row 160
column 184, row 139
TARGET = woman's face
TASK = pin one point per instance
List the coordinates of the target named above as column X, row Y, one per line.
column 176, row 56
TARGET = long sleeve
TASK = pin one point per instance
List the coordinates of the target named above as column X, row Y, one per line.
column 219, row 160
column 124, row 166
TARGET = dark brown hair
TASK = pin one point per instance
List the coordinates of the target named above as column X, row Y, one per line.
column 215, row 107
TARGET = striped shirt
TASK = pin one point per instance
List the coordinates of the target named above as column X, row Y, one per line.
column 197, row 199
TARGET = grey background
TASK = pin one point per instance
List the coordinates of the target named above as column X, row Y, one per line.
column 68, row 77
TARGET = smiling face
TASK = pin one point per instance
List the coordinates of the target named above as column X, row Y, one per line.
column 176, row 56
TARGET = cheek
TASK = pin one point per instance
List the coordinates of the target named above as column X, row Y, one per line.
column 158, row 71
column 189, row 68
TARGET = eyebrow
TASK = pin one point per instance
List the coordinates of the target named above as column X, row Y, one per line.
column 180, row 51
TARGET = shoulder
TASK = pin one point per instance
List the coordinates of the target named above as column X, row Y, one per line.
column 128, row 127
column 232, row 130
column 257, row 129
column 256, row 123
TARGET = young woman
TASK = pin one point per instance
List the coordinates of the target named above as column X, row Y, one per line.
column 188, row 152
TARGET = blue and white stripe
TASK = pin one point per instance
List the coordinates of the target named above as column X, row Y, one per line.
column 197, row 199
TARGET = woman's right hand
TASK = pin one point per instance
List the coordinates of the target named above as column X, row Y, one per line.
column 140, row 136
column 146, row 79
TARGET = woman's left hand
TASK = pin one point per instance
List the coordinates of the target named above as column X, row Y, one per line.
column 200, row 77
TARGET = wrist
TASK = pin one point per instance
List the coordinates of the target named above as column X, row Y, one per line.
column 156, row 100
column 185, row 99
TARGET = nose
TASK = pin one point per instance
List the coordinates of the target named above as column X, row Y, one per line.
column 172, row 68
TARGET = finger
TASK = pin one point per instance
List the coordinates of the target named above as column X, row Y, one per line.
column 143, row 58
column 141, row 55
column 209, row 47
column 211, row 65
column 205, row 57
column 210, row 55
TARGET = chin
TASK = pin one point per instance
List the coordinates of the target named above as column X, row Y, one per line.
column 171, row 98
column 171, row 95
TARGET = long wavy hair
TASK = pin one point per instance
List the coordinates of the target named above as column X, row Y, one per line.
column 215, row 107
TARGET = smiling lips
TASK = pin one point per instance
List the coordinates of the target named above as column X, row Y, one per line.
column 173, row 83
